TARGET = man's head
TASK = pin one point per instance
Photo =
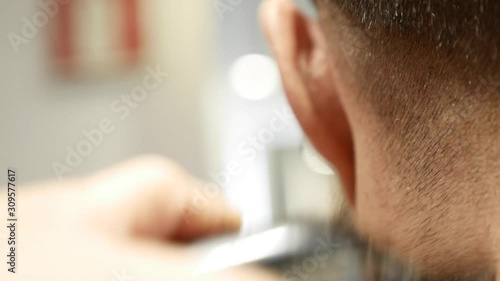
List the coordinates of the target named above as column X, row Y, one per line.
column 403, row 97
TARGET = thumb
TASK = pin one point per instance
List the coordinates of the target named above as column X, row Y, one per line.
column 150, row 196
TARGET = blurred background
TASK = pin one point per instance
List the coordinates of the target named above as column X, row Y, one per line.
column 89, row 83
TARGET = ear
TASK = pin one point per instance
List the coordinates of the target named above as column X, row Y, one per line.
column 302, row 53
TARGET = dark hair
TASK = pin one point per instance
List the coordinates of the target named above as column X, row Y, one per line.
column 470, row 29
column 423, row 52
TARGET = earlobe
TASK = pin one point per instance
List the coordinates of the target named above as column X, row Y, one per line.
column 302, row 54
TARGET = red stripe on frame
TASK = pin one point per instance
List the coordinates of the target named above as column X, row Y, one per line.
column 65, row 28
column 131, row 27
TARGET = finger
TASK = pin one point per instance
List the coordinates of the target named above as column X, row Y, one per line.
column 206, row 214
column 150, row 196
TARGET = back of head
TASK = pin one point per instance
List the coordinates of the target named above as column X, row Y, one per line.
column 403, row 98
column 427, row 74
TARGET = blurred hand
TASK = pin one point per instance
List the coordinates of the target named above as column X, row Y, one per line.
column 123, row 224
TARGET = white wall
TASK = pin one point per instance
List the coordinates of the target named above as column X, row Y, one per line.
column 40, row 114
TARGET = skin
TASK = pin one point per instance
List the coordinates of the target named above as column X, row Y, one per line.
column 448, row 232
column 126, row 223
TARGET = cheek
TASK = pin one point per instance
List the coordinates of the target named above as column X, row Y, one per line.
column 376, row 217
column 390, row 226
column 433, row 239
column 378, row 214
